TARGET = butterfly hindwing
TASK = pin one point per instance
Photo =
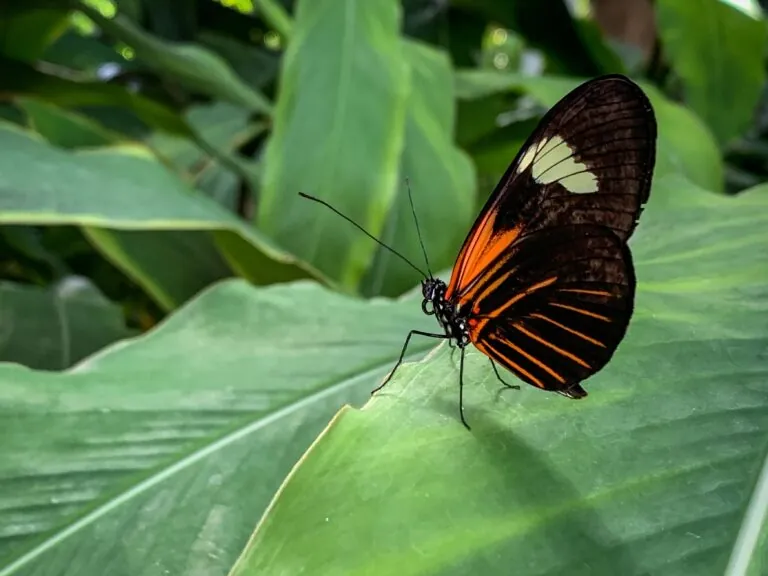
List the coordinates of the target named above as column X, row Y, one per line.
column 589, row 161
column 555, row 306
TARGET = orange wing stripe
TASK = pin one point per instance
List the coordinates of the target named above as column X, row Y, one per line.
column 571, row 330
column 591, row 292
column 550, row 345
column 494, row 246
column 484, row 348
column 490, row 288
column 486, row 318
column 580, row 311
column 481, row 250
column 466, row 259
column 471, row 289
column 533, row 359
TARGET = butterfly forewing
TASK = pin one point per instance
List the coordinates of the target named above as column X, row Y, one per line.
column 553, row 307
column 589, row 161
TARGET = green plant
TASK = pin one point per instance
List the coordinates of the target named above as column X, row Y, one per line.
column 178, row 328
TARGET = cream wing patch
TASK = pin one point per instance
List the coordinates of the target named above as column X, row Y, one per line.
column 553, row 161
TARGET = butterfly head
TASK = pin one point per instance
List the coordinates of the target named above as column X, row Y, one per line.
column 433, row 290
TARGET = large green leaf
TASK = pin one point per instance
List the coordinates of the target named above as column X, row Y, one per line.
column 161, row 454
column 125, row 188
column 685, row 145
column 195, row 67
column 658, row 471
column 718, row 51
column 339, row 129
column 54, row 328
column 441, row 178
column 171, row 265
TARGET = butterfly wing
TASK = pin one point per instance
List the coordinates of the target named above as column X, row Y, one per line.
column 589, row 161
column 555, row 306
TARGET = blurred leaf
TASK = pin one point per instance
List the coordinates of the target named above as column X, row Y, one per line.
column 458, row 31
column 494, row 153
column 171, row 19
column 24, row 257
column 24, row 35
column 684, row 145
column 219, row 184
column 11, row 113
column 441, row 177
column 255, row 66
column 604, row 56
column 222, row 125
column 53, row 328
column 659, row 471
column 191, row 65
column 275, row 15
column 89, row 56
column 546, row 25
column 161, row 454
column 22, row 80
column 172, row 266
column 338, row 133
column 718, row 52
column 121, row 188
column 64, row 128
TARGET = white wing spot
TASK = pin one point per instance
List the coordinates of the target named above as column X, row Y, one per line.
column 553, row 161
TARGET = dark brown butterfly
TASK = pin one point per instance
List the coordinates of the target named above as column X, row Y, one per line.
column 544, row 283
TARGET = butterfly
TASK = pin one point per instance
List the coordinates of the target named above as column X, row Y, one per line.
column 544, row 283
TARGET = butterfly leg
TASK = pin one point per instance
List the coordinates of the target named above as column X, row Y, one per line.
column 402, row 353
column 461, row 391
column 498, row 376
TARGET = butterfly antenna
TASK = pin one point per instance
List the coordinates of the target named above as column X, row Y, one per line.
column 364, row 231
column 418, row 230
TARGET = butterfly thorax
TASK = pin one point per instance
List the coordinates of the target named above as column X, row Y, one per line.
column 448, row 316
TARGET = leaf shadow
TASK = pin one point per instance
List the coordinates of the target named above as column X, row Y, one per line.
column 566, row 533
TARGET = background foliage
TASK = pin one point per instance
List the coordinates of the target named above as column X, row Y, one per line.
column 150, row 158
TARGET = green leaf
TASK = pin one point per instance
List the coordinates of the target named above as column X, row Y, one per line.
column 56, row 327
column 256, row 66
column 64, row 128
column 146, row 256
column 684, row 143
column 658, row 471
column 339, row 129
column 441, row 178
column 195, row 67
column 20, row 79
column 24, row 35
column 221, row 125
column 275, row 15
column 223, row 128
column 161, row 454
column 171, row 266
column 718, row 51
column 121, row 189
